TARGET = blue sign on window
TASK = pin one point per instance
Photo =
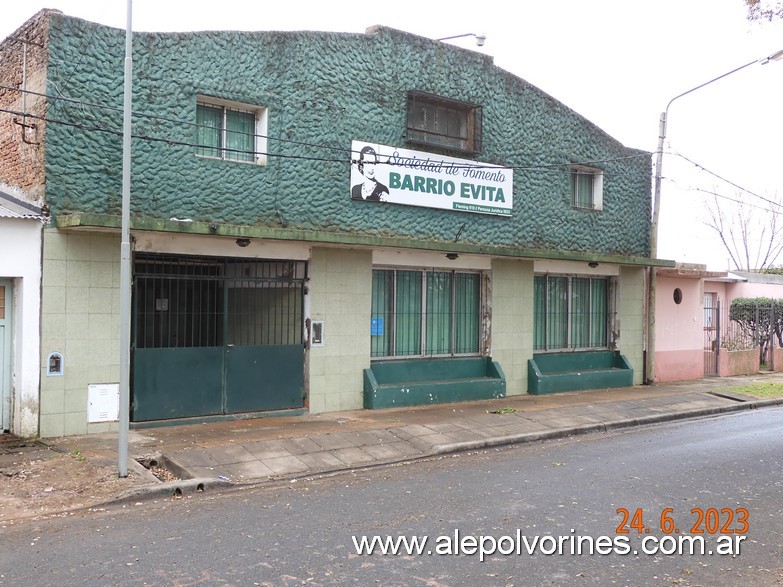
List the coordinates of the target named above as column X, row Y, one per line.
column 376, row 326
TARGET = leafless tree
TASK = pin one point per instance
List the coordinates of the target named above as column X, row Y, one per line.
column 751, row 233
column 764, row 9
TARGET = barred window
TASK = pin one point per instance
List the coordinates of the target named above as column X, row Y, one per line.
column 185, row 301
column 586, row 187
column 570, row 312
column 442, row 122
column 424, row 313
column 226, row 130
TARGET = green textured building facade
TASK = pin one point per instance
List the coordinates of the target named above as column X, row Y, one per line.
column 306, row 206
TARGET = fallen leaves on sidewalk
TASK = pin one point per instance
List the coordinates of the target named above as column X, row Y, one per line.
column 504, row 411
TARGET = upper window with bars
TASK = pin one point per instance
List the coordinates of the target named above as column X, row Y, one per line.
column 231, row 131
column 587, row 185
column 442, row 122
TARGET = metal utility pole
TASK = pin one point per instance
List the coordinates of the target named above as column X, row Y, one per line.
column 651, row 281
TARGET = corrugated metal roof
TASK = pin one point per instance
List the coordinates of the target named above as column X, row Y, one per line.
column 756, row 277
column 6, row 212
column 10, row 207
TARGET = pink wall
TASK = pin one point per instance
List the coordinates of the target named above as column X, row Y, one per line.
column 678, row 326
column 679, row 365
column 738, row 362
column 777, row 360
column 679, row 330
column 753, row 290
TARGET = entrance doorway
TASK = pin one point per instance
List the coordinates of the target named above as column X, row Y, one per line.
column 5, row 354
column 711, row 334
column 216, row 336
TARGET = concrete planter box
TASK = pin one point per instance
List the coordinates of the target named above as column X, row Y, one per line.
column 577, row 371
column 419, row 382
column 738, row 362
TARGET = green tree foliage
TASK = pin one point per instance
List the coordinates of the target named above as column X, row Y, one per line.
column 761, row 318
column 764, row 9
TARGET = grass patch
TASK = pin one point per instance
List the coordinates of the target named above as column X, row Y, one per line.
column 760, row 390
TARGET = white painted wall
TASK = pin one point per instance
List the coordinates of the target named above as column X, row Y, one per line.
column 20, row 261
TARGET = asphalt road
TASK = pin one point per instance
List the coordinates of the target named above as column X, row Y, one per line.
column 715, row 475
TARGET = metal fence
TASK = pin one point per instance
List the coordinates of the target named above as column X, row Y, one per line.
column 749, row 324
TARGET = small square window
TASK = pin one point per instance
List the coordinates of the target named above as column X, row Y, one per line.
column 442, row 122
column 232, row 131
column 587, row 187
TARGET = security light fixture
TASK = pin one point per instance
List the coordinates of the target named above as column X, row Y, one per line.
column 452, row 256
column 481, row 38
column 243, row 242
column 777, row 56
column 593, row 264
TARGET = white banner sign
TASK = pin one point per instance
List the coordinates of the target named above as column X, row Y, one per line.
column 414, row 178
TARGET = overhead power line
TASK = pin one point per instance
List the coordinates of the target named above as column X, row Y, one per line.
column 725, row 197
column 167, row 141
column 728, row 181
column 742, row 202
column 82, row 104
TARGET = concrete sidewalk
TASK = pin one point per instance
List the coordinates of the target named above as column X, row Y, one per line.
column 274, row 448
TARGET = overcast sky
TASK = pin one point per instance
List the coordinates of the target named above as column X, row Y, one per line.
column 616, row 62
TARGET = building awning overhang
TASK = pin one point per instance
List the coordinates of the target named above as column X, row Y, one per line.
column 354, row 239
column 691, row 271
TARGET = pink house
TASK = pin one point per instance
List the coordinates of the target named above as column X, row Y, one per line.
column 691, row 310
column 742, row 284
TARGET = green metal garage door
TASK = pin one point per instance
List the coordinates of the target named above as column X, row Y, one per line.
column 216, row 336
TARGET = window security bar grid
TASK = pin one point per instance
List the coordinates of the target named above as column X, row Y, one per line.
column 182, row 302
column 442, row 122
column 224, row 132
column 582, row 188
column 425, row 313
column 570, row 312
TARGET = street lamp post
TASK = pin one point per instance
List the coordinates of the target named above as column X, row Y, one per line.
column 125, row 254
column 650, row 366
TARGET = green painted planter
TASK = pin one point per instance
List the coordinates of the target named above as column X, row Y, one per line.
column 576, row 371
column 418, row 382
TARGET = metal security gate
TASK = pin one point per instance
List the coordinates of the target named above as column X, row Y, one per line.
column 711, row 335
column 216, row 336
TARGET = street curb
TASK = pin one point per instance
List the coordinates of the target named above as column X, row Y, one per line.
column 179, row 488
column 183, row 487
column 441, row 449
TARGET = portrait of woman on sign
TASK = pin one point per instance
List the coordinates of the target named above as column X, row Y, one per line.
column 369, row 188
